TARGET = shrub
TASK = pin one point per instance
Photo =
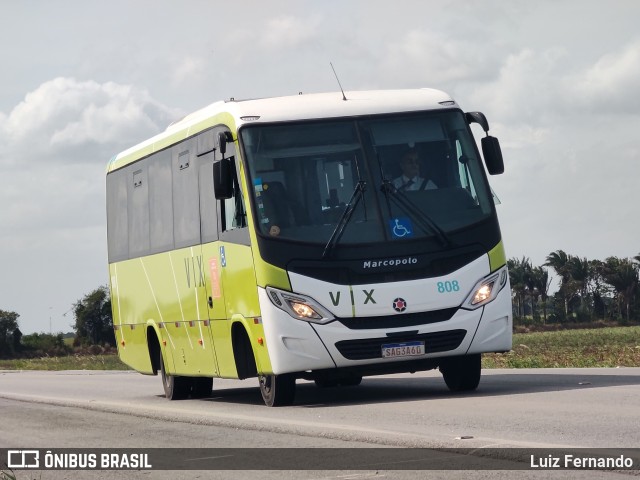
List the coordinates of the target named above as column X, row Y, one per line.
column 44, row 344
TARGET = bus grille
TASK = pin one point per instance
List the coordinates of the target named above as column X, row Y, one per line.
column 372, row 347
column 398, row 321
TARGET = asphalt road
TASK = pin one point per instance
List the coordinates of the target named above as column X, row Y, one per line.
column 527, row 409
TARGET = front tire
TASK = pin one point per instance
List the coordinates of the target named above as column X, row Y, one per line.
column 278, row 390
column 462, row 374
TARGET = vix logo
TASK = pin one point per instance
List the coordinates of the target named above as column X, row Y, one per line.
column 367, row 299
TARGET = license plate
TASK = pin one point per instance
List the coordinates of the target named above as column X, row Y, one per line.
column 406, row 349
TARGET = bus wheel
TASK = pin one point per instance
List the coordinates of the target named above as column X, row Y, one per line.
column 175, row 388
column 201, row 387
column 351, row 381
column 277, row 390
column 326, row 382
column 462, row 374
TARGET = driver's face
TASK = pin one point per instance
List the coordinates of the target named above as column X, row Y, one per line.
column 410, row 166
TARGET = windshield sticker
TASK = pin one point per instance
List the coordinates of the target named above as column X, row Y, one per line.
column 401, row 227
column 274, row 231
column 257, row 184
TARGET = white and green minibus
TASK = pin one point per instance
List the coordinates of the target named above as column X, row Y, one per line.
column 278, row 239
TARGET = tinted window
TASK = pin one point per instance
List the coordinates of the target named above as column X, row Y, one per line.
column 117, row 224
column 234, row 212
column 160, row 202
column 138, row 210
column 186, row 209
column 405, row 176
column 208, row 203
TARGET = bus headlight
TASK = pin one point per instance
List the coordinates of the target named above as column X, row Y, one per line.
column 299, row 306
column 303, row 310
column 486, row 289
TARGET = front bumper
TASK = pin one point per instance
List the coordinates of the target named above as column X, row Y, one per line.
column 300, row 346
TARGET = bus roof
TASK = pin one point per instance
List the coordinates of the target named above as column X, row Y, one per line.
column 235, row 113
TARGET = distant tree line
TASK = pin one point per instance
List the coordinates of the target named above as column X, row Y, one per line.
column 589, row 290
column 93, row 326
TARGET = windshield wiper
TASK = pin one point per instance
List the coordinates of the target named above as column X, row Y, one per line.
column 424, row 220
column 357, row 195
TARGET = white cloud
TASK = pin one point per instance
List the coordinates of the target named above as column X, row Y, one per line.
column 612, row 83
column 54, row 147
column 64, row 113
column 517, row 137
column 540, row 87
column 434, row 58
column 288, row 31
column 529, row 86
column 189, row 70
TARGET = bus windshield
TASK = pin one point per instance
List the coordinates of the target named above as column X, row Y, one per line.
column 358, row 181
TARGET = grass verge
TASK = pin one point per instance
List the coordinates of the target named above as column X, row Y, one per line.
column 600, row 347
column 69, row 362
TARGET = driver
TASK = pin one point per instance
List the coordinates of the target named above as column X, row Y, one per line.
column 410, row 180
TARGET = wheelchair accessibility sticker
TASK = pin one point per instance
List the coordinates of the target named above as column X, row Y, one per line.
column 401, row 227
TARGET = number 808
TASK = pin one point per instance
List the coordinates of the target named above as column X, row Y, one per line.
column 447, row 287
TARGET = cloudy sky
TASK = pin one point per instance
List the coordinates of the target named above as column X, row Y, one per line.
column 83, row 80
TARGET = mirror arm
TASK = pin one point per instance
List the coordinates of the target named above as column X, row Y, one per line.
column 223, row 139
column 479, row 118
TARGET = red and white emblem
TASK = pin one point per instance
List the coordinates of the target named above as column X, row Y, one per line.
column 399, row 304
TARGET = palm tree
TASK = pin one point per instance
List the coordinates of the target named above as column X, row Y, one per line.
column 581, row 275
column 518, row 287
column 622, row 275
column 559, row 261
column 601, row 289
column 541, row 283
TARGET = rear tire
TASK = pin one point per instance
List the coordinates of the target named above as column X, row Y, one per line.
column 278, row 390
column 462, row 374
column 175, row 388
column 201, row 387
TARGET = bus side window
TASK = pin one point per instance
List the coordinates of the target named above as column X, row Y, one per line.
column 186, row 211
column 117, row 215
column 138, row 211
column 234, row 213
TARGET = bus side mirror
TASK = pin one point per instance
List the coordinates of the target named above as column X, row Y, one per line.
column 492, row 155
column 223, row 179
column 490, row 145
